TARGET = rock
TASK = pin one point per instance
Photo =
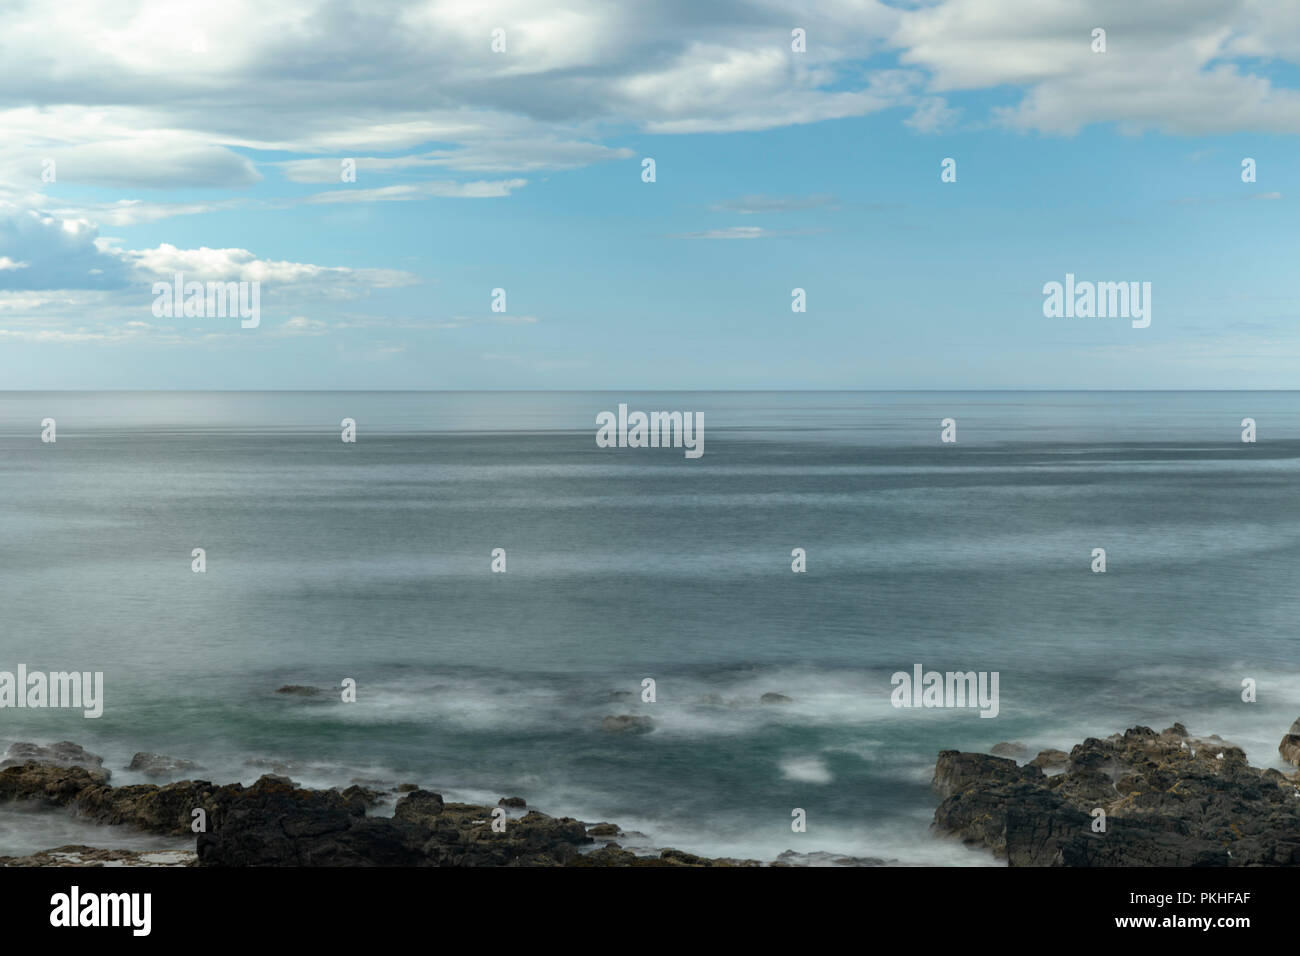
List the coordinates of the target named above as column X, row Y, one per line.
column 956, row 772
column 514, row 802
column 613, row 855
column 366, row 796
column 48, row 784
column 821, row 858
column 1051, row 760
column 603, row 830
column 1170, row 800
column 627, row 724
column 678, row 856
column 276, row 823
column 420, row 806
column 299, row 690
column 405, row 788
column 63, row 754
column 424, row 831
column 773, row 698
column 1014, row 750
column 158, row 765
column 273, row 824
column 1289, row 748
column 78, row 855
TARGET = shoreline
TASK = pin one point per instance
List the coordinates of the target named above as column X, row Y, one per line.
column 1139, row 797
column 275, row 822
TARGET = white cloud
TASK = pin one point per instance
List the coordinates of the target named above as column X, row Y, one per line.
column 405, row 193
column 1165, row 66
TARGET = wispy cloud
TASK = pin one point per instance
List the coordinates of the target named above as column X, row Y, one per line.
column 746, row 232
column 752, row 205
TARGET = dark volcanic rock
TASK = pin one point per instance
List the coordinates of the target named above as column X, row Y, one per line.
column 297, row 828
column 421, row 806
column 515, row 803
column 299, row 690
column 1169, row 800
column 276, row 823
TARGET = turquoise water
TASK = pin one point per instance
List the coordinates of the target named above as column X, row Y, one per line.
column 328, row 560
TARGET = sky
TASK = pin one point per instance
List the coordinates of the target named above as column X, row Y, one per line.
column 142, row 140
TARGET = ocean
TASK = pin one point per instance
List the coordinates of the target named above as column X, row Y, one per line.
column 328, row 560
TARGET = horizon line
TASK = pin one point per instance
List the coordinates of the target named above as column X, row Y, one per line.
column 582, row 391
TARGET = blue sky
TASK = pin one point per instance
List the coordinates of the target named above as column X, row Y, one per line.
column 774, row 170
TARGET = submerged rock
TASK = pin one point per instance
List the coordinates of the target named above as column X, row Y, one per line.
column 627, row 724
column 299, row 690
column 771, row 697
column 821, row 858
column 279, row 766
column 160, row 765
column 1169, row 800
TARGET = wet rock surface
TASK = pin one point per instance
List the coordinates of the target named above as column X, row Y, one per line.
column 1170, row 799
column 1289, row 748
column 63, row 754
column 80, row 855
column 276, row 823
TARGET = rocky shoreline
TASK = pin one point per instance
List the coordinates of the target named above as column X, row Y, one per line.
column 274, row 822
column 1140, row 798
